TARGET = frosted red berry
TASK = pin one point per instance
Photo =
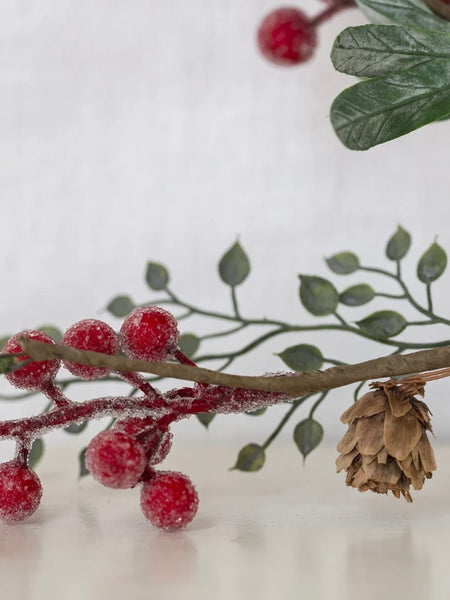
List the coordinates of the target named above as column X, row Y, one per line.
column 169, row 500
column 116, row 459
column 90, row 334
column 20, row 492
column 286, row 36
column 149, row 333
column 35, row 374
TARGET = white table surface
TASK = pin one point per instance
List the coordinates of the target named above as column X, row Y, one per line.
column 285, row 532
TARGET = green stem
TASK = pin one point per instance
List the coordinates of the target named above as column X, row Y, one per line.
column 284, row 420
column 317, row 403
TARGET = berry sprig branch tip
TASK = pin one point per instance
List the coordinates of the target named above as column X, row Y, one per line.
column 294, row 384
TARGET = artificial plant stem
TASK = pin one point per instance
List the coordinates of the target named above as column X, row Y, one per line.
column 295, row 384
column 284, row 420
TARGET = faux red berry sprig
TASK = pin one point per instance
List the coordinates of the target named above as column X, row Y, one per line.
column 126, row 455
column 287, row 36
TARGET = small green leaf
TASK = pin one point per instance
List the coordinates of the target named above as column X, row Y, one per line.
column 52, row 331
column 303, row 357
column 205, row 418
column 82, row 468
column 156, row 276
column 257, row 413
column 383, row 324
column 307, row 435
column 343, row 263
column 250, row 458
column 7, row 364
column 398, row 245
column 432, row 264
column 234, row 266
column 36, row 452
column 189, row 344
column 318, row 295
column 120, row 306
column 407, row 13
column 3, row 340
column 75, row 428
column 357, row 295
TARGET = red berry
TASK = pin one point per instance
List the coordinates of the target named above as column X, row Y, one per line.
column 90, row 334
column 20, row 492
column 169, row 500
column 287, row 37
column 149, row 333
column 35, row 374
column 116, row 459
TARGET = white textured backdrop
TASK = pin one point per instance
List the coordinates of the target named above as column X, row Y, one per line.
column 152, row 129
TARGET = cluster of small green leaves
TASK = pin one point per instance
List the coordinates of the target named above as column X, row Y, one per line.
column 404, row 59
column 320, row 297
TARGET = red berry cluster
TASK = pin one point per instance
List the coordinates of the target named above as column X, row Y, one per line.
column 287, row 36
column 126, row 455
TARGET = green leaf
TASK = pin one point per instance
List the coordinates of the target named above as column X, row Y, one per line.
column 383, row 324
column 378, row 110
column 82, row 468
column 257, row 413
column 307, row 435
column 374, row 50
column 432, row 264
column 205, row 418
column 52, row 331
column 36, row 452
column 7, row 364
column 76, row 428
column 303, row 357
column 120, row 306
column 403, row 12
column 250, row 458
column 156, row 276
column 357, row 295
column 318, row 295
column 398, row 245
column 343, row 263
column 234, row 266
column 3, row 340
column 189, row 344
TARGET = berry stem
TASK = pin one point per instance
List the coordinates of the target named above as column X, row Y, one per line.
column 334, row 8
column 54, row 393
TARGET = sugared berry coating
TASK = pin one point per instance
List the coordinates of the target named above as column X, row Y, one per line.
column 90, row 334
column 287, row 37
column 37, row 373
column 149, row 333
column 115, row 459
column 169, row 500
column 20, row 492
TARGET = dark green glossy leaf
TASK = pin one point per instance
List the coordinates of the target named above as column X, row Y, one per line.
column 374, row 50
column 383, row 324
column 378, row 110
column 120, row 306
column 307, row 435
column 318, row 295
column 52, row 331
column 76, row 428
column 36, row 452
column 205, row 418
column 156, row 276
column 403, row 12
column 357, row 295
column 303, row 357
column 234, row 266
column 250, row 458
column 432, row 264
column 82, row 468
column 257, row 413
column 189, row 344
column 343, row 263
column 398, row 245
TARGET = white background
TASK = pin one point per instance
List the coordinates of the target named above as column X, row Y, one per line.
column 153, row 130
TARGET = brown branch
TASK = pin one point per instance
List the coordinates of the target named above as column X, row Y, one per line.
column 295, row 384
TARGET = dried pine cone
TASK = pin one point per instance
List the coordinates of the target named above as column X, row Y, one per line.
column 386, row 446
